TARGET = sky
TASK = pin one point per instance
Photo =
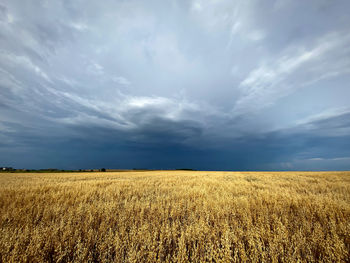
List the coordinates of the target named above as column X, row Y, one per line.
column 171, row 84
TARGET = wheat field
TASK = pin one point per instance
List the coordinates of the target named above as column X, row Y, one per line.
column 175, row 216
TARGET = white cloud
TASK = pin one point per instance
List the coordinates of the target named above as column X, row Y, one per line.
column 315, row 159
column 167, row 108
column 121, row 80
column 142, row 102
column 271, row 80
column 332, row 122
column 341, row 159
column 318, row 159
column 324, row 115
column 24, row 62
column 9, row 81
column 213, row 15
column 329, row 159
column 125, row 112
column 79, row 27
column 164, row 52
column 95, row 68
column 197, row 6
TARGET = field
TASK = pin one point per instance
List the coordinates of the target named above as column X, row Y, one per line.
column 175, row 216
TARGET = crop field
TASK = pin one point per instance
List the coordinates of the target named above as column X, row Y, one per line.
column 175, row 216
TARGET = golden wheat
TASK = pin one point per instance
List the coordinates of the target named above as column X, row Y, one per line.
column 175, row 216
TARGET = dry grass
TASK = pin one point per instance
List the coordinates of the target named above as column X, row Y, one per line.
column 175, row 216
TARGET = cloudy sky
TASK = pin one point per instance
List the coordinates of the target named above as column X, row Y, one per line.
column 202, row 84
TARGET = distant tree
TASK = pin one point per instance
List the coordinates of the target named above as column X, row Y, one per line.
column 103, row 170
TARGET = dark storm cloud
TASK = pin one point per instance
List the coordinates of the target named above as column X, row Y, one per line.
column 167, row 84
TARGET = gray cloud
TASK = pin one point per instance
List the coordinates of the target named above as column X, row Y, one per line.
column 209, row 78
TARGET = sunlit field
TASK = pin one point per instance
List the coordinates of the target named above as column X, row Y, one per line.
column 175, row 216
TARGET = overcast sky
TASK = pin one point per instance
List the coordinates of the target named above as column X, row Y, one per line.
column 202, row 84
